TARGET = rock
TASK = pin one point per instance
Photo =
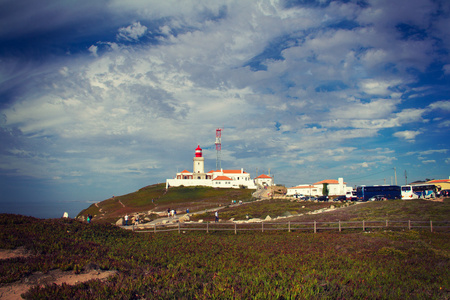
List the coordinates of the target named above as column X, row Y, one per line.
column 184, row 218
column 231, row 220
column 332, row 207
column 268, row 218
column 254, row 220
column 303, row 206
column 119, row 222
column 147, row 219
column 200, row 221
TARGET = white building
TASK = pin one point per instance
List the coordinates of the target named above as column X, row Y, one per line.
column 219, row 178
column 335, row 188
column 264, row 180
column 305, row 190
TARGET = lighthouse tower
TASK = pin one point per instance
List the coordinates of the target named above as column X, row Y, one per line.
column 199, row 161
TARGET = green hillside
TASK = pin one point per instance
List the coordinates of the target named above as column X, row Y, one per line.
column 352, row 264
column 156, row 198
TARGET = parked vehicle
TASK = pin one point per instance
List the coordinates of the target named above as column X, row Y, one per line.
column 340, row 198
column 322, row 198
column 364, row 193
column 301, row 197
column 422, row 191
column 378, row 198
column 444, row 193
column 351, row 196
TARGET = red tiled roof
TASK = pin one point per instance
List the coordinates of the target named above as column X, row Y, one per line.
column 329, row 181
column 222, row 178
column 439, row 181
column 263, row 176
column 185, row 171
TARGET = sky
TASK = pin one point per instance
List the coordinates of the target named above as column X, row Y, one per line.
column 101, row 98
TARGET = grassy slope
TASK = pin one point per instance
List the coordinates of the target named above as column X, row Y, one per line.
column 178, row 198
column 399, row 210
column 329, row 265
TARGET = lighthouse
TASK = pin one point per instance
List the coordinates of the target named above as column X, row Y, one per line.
column 199, row 161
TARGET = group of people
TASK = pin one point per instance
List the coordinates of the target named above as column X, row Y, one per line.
column 136, row 220
column 170, row 214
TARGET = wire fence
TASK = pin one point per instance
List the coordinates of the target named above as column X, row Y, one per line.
column 296, row 226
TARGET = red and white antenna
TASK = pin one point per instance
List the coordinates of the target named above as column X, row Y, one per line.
column 218, row 147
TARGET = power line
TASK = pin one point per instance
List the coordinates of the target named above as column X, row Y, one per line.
column 369, row 175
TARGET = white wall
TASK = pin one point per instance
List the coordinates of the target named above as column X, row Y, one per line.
column 236, row 184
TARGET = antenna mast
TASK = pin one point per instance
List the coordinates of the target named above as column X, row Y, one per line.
column 218, row 148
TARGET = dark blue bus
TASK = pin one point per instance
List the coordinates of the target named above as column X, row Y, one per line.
column 364, row 193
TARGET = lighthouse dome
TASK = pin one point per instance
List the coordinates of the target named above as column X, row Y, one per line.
column 198, row 151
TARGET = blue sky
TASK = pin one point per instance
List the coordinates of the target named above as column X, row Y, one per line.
column 101, row 98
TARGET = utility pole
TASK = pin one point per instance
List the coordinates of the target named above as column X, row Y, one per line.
column 395, row 174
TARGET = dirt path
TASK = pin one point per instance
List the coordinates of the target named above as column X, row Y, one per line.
column 13, row 290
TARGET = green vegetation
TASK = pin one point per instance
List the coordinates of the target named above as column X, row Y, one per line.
column 382, row 264
column 157, row 198
column 399, row 210
column 262, row 209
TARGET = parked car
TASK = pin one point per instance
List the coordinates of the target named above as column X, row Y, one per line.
column 378, row 198
column 322, row 198
column 444, row 193
column 351, row 196
column 340, row 198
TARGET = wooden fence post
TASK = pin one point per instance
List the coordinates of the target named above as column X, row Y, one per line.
column 431, row 226
column 339, row 225
column 178, row 227
column 235, row 230
column 154, row 227
column 262, row 226
column 315, row 227
column 289, row 226
column 387, row 223
column 409, row 224
column 364, row 227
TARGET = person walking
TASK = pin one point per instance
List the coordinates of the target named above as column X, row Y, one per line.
column 126, row 220
column 217, row 216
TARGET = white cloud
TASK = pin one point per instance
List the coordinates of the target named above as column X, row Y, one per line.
column 408, row 135
column 132, row 32
column 446, row 69
column 429, row 161
column 378, row 87
column 444, row 105
column 93, row 49
column 240, row 64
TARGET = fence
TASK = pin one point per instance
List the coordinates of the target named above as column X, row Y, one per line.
column 297, row 226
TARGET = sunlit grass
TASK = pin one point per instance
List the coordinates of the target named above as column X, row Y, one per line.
column 296, row 265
